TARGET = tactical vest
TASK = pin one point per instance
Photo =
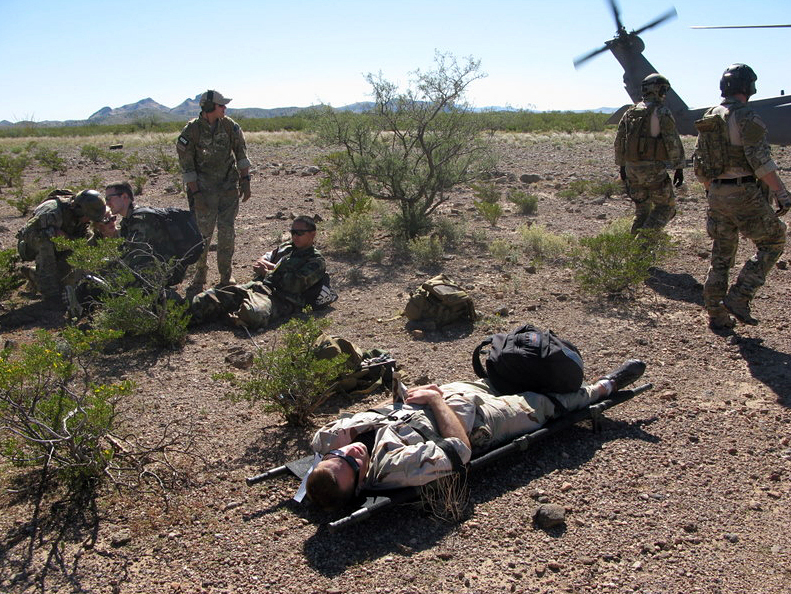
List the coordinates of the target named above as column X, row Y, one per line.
column 714, row 152
column 640, row 145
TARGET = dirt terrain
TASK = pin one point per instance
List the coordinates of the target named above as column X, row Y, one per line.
column 686, row 489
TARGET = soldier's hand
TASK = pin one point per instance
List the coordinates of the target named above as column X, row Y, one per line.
column 623, row 173
column 784, row 202
column 244, row 188
column 678, row 177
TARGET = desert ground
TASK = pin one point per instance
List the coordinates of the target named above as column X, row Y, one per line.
column 686, row 488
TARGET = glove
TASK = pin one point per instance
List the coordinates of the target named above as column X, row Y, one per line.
column 783, row 201
column 678, row 177
column 623, row 173
column 244, row 188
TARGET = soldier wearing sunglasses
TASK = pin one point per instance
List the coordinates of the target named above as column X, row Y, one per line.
column 284, row 281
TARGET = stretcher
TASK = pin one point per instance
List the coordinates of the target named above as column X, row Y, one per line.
column 370, row 502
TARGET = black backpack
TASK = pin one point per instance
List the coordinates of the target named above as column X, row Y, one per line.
column 528, row 359
column 177, row 236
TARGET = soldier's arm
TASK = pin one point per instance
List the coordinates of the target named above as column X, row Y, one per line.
column 673, row 144
column 239, row 148
column 185, row 149
column 620, row 143
column 298, row 280
column 756, row 148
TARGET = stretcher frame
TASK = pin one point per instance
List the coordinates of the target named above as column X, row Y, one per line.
column 370, row 502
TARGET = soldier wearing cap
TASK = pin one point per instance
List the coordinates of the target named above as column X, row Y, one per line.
column 212, row 154
column 646, row 146
column 62, row 214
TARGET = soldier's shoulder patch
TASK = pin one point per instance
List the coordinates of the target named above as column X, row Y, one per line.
column 753, row 129
column 182, row 143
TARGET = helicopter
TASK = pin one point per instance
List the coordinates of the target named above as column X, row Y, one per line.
column 628, row 47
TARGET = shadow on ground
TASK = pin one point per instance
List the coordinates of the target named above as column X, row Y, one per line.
column 770, row 367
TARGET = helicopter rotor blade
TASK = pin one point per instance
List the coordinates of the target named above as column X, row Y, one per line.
column 582, row 59
column 670, row 14
column 616, row 13
column 742, row 27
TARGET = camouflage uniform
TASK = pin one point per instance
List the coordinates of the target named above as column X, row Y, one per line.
column 742, row 207
column 401, row 456
column 35, row 243
column 212, row 155
column 656, row 148
column 278, row 295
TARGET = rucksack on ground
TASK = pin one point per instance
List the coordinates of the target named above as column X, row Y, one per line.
column 441, row 300
column 529, row 359
column 365, row 369
column 177, row 237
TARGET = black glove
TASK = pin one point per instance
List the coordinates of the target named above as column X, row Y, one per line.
column 678, row 177
column 623, row 173
column 783, row 201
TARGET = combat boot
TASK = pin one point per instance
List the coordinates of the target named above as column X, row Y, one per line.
column 626, row 374
column 720, row 321
column 739, row 307
column 198, row 282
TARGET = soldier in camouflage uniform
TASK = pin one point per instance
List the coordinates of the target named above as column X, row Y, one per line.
column 61, row 215
column 215, row 168
column 437, row 430
column 282, row 279
column 739, row 201
column 646, row 145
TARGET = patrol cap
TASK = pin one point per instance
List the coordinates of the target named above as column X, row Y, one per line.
column 214, row 97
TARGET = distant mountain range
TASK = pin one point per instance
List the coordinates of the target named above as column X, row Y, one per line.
column 147, row 110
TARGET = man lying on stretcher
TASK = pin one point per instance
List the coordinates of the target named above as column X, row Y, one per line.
column 436, row 432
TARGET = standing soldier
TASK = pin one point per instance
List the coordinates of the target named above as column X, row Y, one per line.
column 734, row 162
column 647, row 144
column 215, row 168
column 62, row 215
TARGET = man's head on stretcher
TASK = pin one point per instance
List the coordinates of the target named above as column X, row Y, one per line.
column 339, row 475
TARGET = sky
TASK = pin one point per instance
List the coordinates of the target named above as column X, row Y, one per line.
column 67, row 60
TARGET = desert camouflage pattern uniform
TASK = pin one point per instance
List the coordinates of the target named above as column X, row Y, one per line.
column 401, row 457
column 649, row 185
column 212, row 155
column 742, row 208
column 52, row 270
column 278, row 295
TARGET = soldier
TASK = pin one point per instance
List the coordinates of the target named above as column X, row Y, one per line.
column 734, row 162
column 436, row 432
column 215, row 168
column 285, row 279
column 646, row 145
column 61, row 215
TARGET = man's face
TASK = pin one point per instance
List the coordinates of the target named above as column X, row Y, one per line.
column 343, row 471
column 115, row 200
column 301, row 235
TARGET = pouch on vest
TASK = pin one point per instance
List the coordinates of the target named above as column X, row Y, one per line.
column 711, row 151
column 528, row 359
column 442, row 300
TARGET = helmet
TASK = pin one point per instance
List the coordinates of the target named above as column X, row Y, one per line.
column 89, row 203
column 738, row 78
column 655, row 84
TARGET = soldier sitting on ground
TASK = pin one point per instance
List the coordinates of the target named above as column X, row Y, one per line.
column 435, row 433
column 62, row 214
column 284, row 284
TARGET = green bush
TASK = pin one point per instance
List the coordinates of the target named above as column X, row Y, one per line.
column 505, row 252
column 51, row 414
column 449, row 231
column 290, row 379
column 24, row 203
column 352, row 234
column 426, row 251
column 12, row 167
column 541, row 245
column 91, row 152
column 133, row 301
column 527, row 204
column 339, row 186
column 487, row 192
column 10, row 279
column 491, row 211
column 617, row 262
column 605, row 188
column 50, row 159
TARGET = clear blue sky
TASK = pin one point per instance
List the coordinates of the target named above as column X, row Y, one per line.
column 68, row 59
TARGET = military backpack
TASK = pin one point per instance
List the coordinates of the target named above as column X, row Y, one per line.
column 711, row 151
column 440, row 300
column 639, row 145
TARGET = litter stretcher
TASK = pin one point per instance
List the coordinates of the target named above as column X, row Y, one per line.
column 370, row 502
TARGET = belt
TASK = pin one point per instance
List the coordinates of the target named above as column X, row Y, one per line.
column 735, row 181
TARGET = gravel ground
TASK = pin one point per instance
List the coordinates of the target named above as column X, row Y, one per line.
column 685, row 489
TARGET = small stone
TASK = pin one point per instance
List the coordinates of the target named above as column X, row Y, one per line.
column 690, row 527
column 549, row 515
column 565, row 487
column 231, row 505
column 502, row 312
column 240, row 358
column 418, row 334
column 734, row 538
column 530, row 269
column 121, row 538
column 668, row 395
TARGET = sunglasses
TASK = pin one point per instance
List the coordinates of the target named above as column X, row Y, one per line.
column 350, row 461
column 301, row 232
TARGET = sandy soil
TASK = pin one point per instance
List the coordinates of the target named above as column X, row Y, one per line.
column 686, row 488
